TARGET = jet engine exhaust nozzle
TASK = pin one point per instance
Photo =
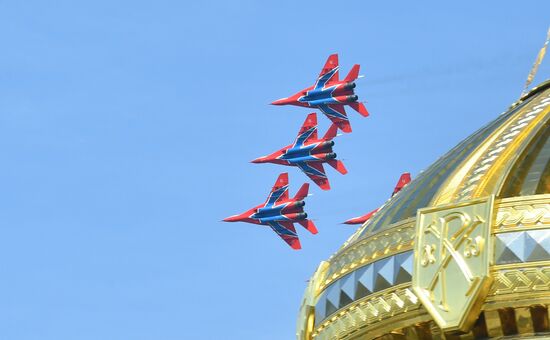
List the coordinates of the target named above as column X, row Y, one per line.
column 349, row 86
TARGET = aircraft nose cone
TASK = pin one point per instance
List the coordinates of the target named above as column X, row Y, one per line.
column 231, row 219
column 258, row 160
column 282, row 101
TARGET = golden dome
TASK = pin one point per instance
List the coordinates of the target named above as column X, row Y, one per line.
column 463, row 251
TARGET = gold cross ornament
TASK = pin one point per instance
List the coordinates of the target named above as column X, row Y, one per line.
column 451, row 267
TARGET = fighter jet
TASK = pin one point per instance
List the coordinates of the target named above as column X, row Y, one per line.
column 329, row 94
column 309, row 153
column 280, row 212
column 401, row 183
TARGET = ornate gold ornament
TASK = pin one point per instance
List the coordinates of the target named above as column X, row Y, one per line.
column 452, row 255
column 377, row 309
column 452, row 288
column 523, row 213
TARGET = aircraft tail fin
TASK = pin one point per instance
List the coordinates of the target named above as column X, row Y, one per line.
column 353, row 74
column 330, row 64
column 403, row 180
column 338, row 165
column 309, row 225
column 359, row 107
column 302, row 193
column 308, row 131
column 331, row 132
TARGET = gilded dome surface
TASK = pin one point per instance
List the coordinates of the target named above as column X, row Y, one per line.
column 364, row 290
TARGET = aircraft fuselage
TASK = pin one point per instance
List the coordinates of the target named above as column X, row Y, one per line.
column 279, row 212
column 336, row 94
column 284, row 218
column 315, row 152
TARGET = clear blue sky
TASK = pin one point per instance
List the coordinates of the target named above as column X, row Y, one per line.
column 126, row 128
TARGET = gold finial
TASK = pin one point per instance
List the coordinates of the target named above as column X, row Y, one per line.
column 538, row 61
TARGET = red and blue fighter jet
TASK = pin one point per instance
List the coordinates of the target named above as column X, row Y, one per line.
column 309, row 153
column 280, row 212
column 401, row 183
column 329, row 94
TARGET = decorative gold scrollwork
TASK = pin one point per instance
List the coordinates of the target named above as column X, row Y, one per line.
column 473, row 247
column 428, row 256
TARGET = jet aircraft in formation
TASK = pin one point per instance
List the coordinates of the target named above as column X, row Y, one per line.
column 401, row 183
column 309, row 153
column 280, row 212
column 329, row 94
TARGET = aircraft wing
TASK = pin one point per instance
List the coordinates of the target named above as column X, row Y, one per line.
column 308, row 131
column 337, row 114
column 316, row 172
column 287, row 232
column 279, row 192
column 329, row 73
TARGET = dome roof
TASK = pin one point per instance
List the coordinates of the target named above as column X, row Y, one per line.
column 441, row 177
column 509, row 158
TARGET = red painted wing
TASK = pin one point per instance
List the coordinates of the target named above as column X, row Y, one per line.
column 343, row 124
column 308, row 131
column 317, row 174
column 289, row 235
